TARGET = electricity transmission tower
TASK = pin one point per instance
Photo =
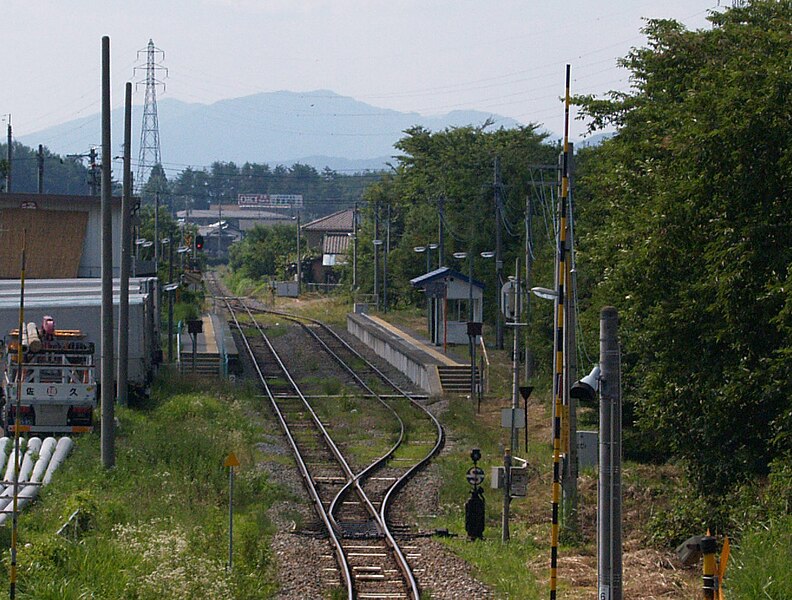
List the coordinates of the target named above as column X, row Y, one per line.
column 149, row 155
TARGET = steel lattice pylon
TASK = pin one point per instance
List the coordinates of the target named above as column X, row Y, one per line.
column 149, row 154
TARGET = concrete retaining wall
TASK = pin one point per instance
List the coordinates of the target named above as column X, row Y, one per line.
column 419, row 366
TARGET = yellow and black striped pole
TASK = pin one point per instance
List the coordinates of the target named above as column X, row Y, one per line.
column 558, row 373
column 708, row 548
column 17, row 421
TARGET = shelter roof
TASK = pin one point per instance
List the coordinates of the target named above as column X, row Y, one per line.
column 442, row 273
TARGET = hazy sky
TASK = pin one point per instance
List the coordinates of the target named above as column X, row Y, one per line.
column 426, row 56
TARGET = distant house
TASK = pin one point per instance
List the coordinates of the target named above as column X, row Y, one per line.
column 218, row 237
column 331, row 236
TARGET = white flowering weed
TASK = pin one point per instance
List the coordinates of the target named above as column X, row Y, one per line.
column 166, row 568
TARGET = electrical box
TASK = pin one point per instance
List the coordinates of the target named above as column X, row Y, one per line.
column 496, row 478
column 519, row 418
column 286, row 289
column 519, row 480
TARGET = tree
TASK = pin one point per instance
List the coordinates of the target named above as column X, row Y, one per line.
column 266, row 252
column 685, row 215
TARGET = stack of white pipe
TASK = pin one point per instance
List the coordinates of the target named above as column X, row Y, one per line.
column 39, row 462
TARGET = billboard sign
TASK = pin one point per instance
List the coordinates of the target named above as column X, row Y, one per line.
column 270, row 200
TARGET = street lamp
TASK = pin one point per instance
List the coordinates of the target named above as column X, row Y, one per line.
column 544, row 293
column 181, row 251
column 377, row 244
column 428, row 251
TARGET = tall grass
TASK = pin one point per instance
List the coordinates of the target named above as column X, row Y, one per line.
column 762, row 565
column 155, row 526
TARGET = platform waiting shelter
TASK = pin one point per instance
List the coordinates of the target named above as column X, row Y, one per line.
column 447, row 296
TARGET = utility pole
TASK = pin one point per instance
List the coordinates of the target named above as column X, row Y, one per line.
column 528, row 272
column 498, row 255
column 108, row 364
column 609, row 495
column 40, row 160
column 440, row 231
column 220, row 225
column 299, row 257
column 92, row 175
column 385, row 261
column 170, row 300
column 8, row 157
column 354, row 246
column 156, row 232
column 376, row 254
column 126, row 241
column 516, row 362
column 507, row 463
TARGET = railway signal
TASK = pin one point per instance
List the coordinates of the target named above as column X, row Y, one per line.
column 199, row 242
column 474, row 507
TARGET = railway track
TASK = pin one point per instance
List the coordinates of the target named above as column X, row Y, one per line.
column 352, row 502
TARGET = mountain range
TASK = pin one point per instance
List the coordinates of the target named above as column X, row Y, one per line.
column 318, row 128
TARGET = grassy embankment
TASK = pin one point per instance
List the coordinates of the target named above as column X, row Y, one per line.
column 156, row 525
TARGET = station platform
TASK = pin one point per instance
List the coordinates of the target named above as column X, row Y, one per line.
column 434, row 371
column 215, row 349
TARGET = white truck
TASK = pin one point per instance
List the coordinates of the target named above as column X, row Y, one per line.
column 56, row 392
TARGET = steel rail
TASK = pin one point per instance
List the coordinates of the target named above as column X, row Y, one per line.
column 338, row 550
column 409, row 473
column 401, row 560
column 352, row 479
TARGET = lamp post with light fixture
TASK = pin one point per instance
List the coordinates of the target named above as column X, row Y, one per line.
column 427, row 250
column 377, row 243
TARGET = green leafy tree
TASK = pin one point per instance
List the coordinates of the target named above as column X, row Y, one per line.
column 685, row 215
column 266, row 252
column 455, row 166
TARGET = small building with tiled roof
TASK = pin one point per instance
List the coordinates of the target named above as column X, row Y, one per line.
column 331, row 235
column 338, row 223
